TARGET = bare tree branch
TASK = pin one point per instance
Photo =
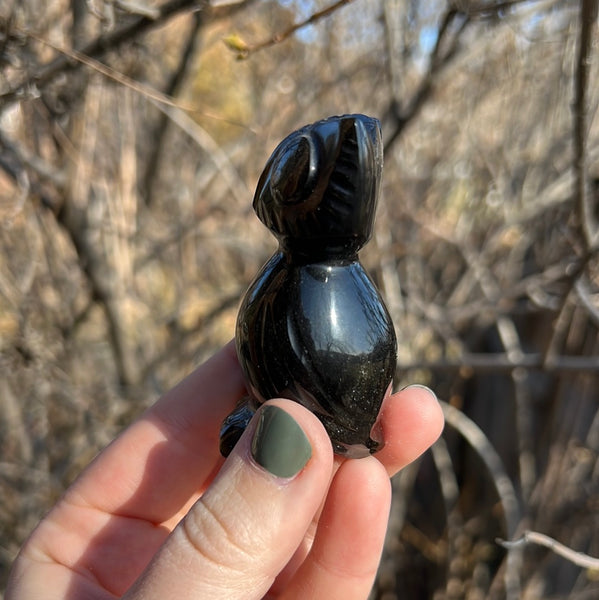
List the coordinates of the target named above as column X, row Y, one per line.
column 485, row 9
column 244, row 50
column 203, row 139
column 588, row 17
column 401, row 116
column 479, row 441
column 584, row 293
column 71, row 223
column 110, row 73
column 502, row 363
column 171, row 91
column 540, row 539
column 136, row 8
column 110, row 41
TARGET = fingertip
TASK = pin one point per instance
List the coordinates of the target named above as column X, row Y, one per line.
column 412, row 420
column 321, row 450
column 425, row 401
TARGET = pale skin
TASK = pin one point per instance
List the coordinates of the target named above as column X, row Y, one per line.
column 160, row 514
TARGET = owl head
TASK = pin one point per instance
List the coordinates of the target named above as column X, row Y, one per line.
column 319, row 189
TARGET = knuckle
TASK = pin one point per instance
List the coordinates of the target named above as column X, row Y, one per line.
column 219, row 541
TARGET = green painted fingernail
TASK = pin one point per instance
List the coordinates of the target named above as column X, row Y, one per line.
column 279, row 444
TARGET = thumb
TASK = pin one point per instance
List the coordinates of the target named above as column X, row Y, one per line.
column 247, row 525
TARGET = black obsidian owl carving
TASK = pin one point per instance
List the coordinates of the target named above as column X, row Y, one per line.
column 312, row 326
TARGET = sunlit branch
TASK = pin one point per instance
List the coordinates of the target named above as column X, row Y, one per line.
column 243, row 49
column 532, row 537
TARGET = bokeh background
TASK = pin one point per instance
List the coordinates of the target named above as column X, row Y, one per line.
column 132, row 134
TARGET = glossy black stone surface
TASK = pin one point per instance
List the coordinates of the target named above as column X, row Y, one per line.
column 312, row 327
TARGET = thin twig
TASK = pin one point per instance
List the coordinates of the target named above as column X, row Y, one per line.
column 450, row 492
column 43, row 169
column 583, row 291
column 588, row 16
column 502, row 363
column 243, row 50
column 532, row 537
column 484, row 9
column 135, row 8
column 203, row 139
column 403, row 115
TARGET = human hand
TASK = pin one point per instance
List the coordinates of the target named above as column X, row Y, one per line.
column 159, row 514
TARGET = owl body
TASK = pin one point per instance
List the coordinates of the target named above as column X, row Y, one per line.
column 312, row 326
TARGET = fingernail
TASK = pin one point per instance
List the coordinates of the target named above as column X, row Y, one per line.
column 279, row 444
column 422, row 387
